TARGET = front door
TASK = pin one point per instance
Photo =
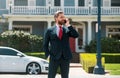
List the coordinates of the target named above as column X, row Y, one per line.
column 80, row 41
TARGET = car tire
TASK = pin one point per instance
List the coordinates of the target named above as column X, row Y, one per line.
column 33, row 68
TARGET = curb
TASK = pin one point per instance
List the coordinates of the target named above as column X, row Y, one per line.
column 75, row 65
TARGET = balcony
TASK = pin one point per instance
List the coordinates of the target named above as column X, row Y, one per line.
column 45, row 10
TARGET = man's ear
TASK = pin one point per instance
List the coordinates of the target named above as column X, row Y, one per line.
column 55, row 19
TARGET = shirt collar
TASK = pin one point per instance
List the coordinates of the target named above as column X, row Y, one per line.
column 58, row 25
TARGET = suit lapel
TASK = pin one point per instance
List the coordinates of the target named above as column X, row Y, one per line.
column 65, row 30
column 55, row 31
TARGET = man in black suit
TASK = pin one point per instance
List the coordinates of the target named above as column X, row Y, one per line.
column 59, row 50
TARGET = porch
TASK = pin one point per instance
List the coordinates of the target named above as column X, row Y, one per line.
column 70, row 10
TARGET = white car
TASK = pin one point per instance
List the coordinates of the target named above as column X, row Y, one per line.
column 12, row 60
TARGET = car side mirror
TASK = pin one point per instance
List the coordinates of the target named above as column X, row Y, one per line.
column 20, row 55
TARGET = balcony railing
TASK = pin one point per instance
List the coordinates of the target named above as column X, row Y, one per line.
column 28, row 10
column 107, row 10
column 45, row 10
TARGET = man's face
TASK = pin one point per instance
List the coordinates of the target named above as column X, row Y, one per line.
column 60, row 19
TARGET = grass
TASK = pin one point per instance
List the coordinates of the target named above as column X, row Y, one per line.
column 114, row 68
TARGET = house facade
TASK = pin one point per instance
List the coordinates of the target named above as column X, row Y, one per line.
column 35, row 16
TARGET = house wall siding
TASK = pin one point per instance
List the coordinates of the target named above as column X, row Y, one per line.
column 69, row 2
column 40, row 2
column 2, row 4
column 3, row 9
column 20, row 2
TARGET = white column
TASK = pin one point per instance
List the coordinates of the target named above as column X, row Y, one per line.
column 62, row 5
column 49, row 24
column 76, row 5
column 89, row 31
column 10, row 25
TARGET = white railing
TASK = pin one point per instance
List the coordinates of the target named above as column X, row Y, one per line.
column 71, row 10
column 44, row 10
column 82, row 11
column 115, row 10
column 54, row 9
column 31, row 10
column 106, row 10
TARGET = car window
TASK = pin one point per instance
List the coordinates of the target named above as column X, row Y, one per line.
column 8, row 52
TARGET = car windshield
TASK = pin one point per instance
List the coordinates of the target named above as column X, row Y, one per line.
column 10, row 52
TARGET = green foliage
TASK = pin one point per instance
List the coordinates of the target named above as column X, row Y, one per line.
column 36, row 54
column 107, row 45
column 111, row 57
column 20, row 40
column 89, row 61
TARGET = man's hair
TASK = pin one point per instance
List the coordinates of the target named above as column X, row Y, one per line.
column 57, row 14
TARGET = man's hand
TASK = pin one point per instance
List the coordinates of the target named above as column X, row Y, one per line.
column 67, row 22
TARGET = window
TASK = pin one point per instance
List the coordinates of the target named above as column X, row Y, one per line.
column 81, row 2
column 113, row 32
column 25, row 28
column 115, row 2
column 57, row 3
column 95, row 2
column 8, row 52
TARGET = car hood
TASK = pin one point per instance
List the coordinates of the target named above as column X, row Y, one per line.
column 36, row 58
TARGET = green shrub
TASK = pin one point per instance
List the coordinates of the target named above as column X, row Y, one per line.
column 89, row 61
column 108, row 45
column 20, row 40
column 36, row 54
column 111, row 57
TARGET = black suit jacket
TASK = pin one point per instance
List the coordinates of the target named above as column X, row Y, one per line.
column 55, row 47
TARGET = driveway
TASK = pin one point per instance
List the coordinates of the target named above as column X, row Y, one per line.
column 76, row 71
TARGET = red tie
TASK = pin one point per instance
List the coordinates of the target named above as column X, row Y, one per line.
column 60, row 32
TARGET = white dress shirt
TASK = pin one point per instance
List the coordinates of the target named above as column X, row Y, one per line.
column 58, row 29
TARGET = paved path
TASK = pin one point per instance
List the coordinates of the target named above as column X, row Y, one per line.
column 76, row 71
